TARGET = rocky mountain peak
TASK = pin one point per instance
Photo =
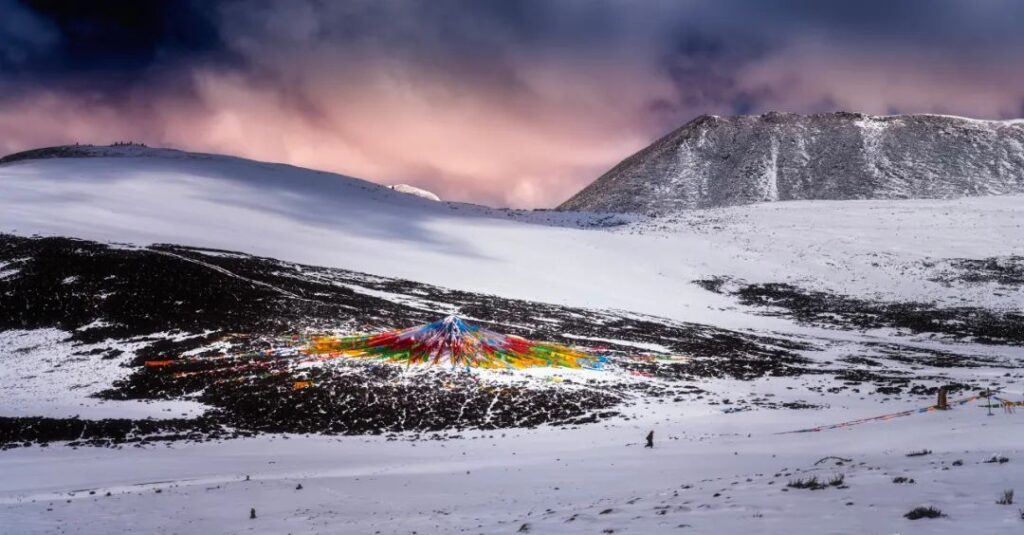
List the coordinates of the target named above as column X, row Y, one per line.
column 720, row 161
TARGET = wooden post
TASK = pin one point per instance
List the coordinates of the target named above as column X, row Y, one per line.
column 942, row 404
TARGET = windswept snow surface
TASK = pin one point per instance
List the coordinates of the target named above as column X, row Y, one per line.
column 859, row 247
column 709, row 473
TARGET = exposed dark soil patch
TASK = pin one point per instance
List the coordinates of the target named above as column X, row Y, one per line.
column 178, row 299
column 26, row 431
column 1002, row 270
column 934, row 358
column 832, row 310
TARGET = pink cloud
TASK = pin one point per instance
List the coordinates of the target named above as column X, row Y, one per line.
column 529, row 134
column 531, row 148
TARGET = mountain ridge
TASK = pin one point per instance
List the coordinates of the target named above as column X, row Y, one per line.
column 717, row 161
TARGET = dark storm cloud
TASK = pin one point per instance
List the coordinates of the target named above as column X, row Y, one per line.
column 989, row 25
column 498, row 101
column 111, row 46
column 703, row 69
column 111, row 42
column 23, row 36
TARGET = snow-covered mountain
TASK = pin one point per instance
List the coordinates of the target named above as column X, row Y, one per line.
column 722, row 161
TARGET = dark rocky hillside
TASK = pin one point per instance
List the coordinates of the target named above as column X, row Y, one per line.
column 223, row 311
column 721, row 161
column 175, row 300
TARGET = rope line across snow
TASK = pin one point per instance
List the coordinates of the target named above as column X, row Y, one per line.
column 881, row 418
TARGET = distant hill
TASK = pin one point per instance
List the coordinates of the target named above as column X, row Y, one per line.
column 413, row 190
column 721, row 161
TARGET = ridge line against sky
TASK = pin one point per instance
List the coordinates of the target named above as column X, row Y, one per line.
column 501, row 103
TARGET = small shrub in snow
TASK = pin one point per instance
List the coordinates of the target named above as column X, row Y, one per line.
column 999, row 460
column 1007, row 498
column 924, row 512
column 919, row 453
column 958, row 462
column 837, row 480
column 809, row 483
column 900, row 479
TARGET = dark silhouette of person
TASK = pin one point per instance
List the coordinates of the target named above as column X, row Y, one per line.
column 650, row 440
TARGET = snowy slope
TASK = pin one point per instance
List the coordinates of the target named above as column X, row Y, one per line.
column 324, row 219
column 709, row 472
column 723, row 161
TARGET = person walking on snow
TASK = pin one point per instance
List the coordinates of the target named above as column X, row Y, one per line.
column 650, row 440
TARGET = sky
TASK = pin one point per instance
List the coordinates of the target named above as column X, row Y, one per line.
column 507, row 102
